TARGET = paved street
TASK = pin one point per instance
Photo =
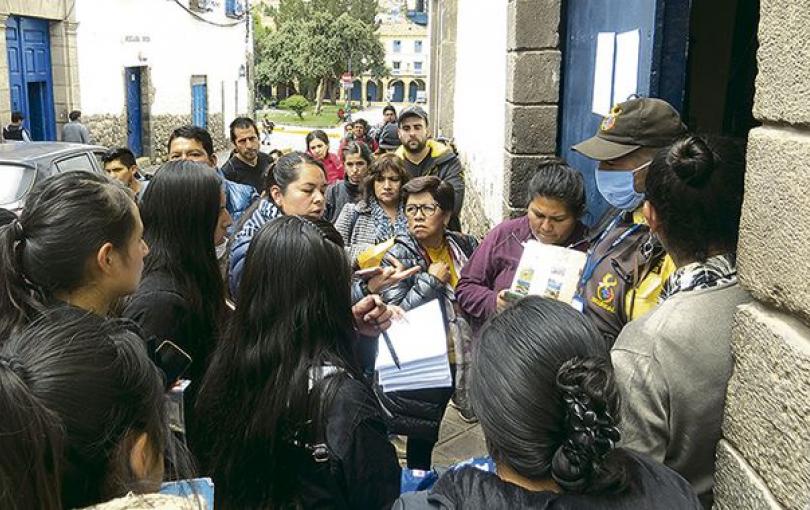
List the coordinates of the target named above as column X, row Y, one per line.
column 292, row 137
column 458, row 440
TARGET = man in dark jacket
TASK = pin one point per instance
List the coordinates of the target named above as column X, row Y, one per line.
column 423, row 156
column 16, row 131
column 248, row 164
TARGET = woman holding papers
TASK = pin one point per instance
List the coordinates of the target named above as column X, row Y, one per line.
column 547, row 400
column 287, row 416
column 556, row 203
column 441, row 255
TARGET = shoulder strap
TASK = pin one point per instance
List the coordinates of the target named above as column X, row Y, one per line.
column 355, row 217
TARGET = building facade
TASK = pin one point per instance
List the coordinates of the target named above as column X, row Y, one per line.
column 554, row 94
column 405, row 38
column 38, row 64
column 135, row 68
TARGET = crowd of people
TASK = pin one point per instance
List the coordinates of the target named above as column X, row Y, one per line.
column 271, row 277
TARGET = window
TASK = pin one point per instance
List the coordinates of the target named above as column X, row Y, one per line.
column 417, row 67
column 397, row 46
column 417, row 46
column 234, row 8
column 397, row 65
column 80, row 162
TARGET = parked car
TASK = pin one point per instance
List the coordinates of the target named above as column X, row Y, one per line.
column 24, row 164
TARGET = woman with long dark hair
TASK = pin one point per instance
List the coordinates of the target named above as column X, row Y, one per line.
column 356, row 162
column 182, row 297
column 286, row 416
column 77, row 242
column 552, row 425
column 84, row 417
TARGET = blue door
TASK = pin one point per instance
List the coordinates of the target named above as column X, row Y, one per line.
column 134, row 141
column 199, row 105
column 29, row 70
column 614, row 48
column 371, row 92
column 398, row 92
column 357, row 91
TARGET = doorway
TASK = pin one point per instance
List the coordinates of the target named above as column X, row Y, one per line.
column 132, row 75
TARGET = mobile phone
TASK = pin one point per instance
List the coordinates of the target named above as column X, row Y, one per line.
column 173, row 360
column 368, row 274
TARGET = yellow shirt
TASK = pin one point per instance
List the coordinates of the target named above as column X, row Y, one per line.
column 442, row 254
column 645, row 295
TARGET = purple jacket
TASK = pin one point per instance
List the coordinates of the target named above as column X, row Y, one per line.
column 492, row 267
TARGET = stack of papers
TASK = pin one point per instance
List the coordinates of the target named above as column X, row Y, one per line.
column 549, row 271
column 420, row 342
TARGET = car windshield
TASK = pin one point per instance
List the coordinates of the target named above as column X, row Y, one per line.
column 15, row 181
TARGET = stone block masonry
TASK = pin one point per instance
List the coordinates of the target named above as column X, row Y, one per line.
column 767, row 418
column 107, row 130
column 775, row 230
column 766, row 429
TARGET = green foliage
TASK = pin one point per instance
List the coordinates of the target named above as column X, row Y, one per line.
column 315, row 41
column 296, row 103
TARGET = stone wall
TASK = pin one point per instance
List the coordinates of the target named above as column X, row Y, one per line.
column 532, row 93
column 161, row 126
column 107, row 130
column 763, row 461
column 217, row 129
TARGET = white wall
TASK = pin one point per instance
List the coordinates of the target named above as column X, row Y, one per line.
column 178, row 47
column 406, row 56
column 480, row 99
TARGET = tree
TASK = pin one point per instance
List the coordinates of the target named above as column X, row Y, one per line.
column 296, row 103
column 317, row 41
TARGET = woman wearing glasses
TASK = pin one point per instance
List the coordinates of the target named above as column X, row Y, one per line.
column 441, row 255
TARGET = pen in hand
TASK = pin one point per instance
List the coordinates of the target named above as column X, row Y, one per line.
column 391, row 349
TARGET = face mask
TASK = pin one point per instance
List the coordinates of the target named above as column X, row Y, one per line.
column 221, row 249
column 618, row 189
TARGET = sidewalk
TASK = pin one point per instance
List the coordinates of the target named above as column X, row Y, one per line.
column 458, row 440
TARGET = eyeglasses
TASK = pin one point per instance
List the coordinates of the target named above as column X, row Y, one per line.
column 424, row 209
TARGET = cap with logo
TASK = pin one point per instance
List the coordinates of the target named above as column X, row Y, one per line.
column 412, row 111
column 639, row 122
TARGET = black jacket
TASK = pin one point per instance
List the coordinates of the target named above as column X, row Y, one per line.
column 338, row 195
column 652, row 485
column 362, row 471
column 162, row 311
column 417, row 413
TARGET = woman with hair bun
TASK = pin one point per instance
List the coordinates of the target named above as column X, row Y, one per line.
column 552, row 426
column 673, row 365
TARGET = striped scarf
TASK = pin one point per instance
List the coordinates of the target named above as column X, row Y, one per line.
column 717, row 270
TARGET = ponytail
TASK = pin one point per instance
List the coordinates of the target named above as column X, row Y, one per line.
column 19, row 301
column 67, row 218
column 29, row 437
column 587, row 461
